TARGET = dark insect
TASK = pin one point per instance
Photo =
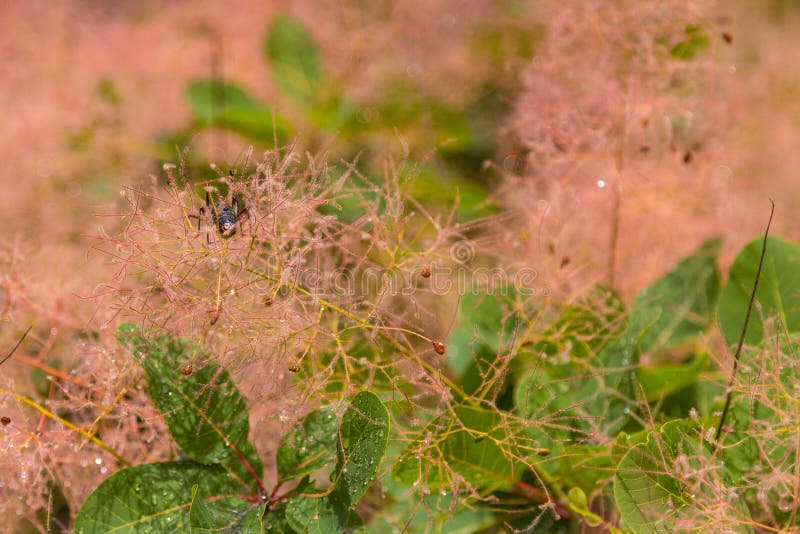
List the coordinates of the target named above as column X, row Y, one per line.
column 426, row 272
column 5, row 420
column 227, row 217
column 438, row 346
column 728, row 37
column 187, row 369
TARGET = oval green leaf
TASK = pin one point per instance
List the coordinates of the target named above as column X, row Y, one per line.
column 216, row 102
column 778, row 292
column 469, row 446
column 204, row 411
column 683, row 300
column 363, row 438
column 293, row 59
column 159, row 497
column 309, row 447
column 650, row 497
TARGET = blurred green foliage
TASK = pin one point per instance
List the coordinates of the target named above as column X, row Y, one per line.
column 316, row 109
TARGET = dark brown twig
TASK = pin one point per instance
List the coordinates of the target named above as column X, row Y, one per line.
column 17, row 345
column 744, row 332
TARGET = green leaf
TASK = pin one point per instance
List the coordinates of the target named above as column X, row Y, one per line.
column 309, row 447
column 223, row 515
column 576, row 500
column 211, row 98
column 453, row 132
column 651, row 499
column 468, row 445
column 204, row 411
column 647, row 495
column 760, row 429
column 293, row 59
column 159, row 497
column 549, row 389
column 275, row 519
column 438, row 512
column 107, row 91
column 683, row 299
column 321, row 516
column 778, row 292
column 441, row 186
column 587, row 468
column 215, row 102
column 480, row 323
column 584, row 327
column 609, row 393
column 694, row 43
column 552, row 406
column 363, row 438
column 335, row 114
column 663, row 380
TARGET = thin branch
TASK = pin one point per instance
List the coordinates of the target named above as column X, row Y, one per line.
column 738, row 354
column 47, row 413
column 17, row 345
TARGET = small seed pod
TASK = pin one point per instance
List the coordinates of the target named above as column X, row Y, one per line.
column 426, row 272
column 438, row 346
column 187, row 369
column 5, row 420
